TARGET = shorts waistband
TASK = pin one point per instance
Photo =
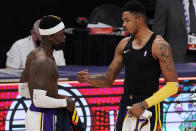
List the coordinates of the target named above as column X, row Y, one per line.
column 43, row 110
column 137, row 96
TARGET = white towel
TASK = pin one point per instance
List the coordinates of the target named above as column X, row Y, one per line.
column 132, row 123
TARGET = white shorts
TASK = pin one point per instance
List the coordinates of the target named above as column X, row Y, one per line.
column 134, row 124
column 33, row 121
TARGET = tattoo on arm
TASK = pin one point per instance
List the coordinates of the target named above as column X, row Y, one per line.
column 118, row 69
column 98, row 77
column 110, row 70
column 107, row 79
column 166, row 58
column 114, row 69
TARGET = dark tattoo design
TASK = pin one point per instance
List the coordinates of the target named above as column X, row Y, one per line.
column 98, row 77
column 166, row 60
column 118, row 69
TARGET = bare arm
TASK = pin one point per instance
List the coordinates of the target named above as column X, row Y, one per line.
column 102, row 80
column 108, row 78
column 163, row 53
column 23, row 77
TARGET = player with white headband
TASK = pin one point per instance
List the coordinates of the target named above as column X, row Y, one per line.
column 39, row 81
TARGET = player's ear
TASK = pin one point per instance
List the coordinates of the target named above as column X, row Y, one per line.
column 139, row 19
column 32, row 32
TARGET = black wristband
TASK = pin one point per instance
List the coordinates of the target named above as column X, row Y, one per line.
column 142, row 106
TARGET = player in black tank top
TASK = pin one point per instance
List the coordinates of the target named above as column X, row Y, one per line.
column 145, row 55
column 141, row 66
column 142, row 74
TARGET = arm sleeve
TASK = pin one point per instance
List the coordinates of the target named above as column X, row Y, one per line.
column 168, row 90
column 41, row 100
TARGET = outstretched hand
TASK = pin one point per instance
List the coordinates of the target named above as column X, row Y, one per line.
column 82, row 76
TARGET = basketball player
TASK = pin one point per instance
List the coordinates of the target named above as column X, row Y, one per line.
column 145, row 56
column 41, row 74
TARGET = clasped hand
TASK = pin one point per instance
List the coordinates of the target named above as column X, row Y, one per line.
column 136, row 110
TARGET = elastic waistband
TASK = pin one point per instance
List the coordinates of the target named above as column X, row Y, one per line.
column 137, row 96
column 43, row 110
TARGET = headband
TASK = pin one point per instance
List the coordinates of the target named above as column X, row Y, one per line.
column 52, row 30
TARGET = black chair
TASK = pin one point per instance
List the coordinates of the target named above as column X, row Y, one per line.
column 108, row 14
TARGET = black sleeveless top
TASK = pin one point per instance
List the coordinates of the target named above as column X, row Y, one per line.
column 142, row 71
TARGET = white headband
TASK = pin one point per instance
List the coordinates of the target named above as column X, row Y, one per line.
column 52, row 30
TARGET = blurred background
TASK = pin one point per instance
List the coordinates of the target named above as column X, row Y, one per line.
column 18, row 16
column 82, row 48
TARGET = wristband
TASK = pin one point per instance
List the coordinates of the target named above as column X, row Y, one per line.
column 142, row 106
